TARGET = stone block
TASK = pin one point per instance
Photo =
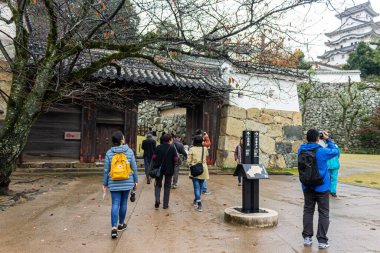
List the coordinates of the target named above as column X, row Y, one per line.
column 228, row 143
column 231, row 126
column 225, row 159
column 264, row 159
column 234, row 112
column 266, row 119
column 276, row 162
column 293, row 133
column 291, row 160
column 266, row 219
column 283, row 148
column 267, row 144
column 296, row 145
column 274, row 131
column 282, row 120
column 297, row 119
column 253, row 113
column 256, row 126
column 273, row 112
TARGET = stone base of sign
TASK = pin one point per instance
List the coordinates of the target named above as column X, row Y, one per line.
column 266, row 219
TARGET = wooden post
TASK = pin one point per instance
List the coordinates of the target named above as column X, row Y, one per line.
column 88, row 141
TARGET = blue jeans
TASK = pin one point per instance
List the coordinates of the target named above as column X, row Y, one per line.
column 146, row 165
column 204, row 186
column 197, row 183
column 119, row 207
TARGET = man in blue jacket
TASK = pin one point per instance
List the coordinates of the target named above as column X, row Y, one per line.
column 318, row 194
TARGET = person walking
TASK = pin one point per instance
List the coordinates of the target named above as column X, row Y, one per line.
column 206, row 142
column 166, row 156
column 238, row 154
column 333, row 165
column 148, row 145
column 317, row 194
column 198, row 154
column 180, row 153
column 119, row 186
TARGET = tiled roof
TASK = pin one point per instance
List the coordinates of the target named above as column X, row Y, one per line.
column 155, row 77
column 355, row 9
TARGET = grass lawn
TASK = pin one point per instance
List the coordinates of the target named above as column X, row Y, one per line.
column 371, row 179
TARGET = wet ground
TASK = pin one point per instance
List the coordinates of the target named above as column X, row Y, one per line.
column 71, row 217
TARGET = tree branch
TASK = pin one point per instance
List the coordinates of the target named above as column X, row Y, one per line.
column 53, row 21
column 6, row 55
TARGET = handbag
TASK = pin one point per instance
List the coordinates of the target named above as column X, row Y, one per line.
column 197, row 169
column 155, row 172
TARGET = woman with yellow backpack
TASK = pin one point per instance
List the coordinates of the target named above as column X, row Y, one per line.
column 120, row 177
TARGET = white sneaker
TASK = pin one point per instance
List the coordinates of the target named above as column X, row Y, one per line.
column 322, row 245
column 307, row 241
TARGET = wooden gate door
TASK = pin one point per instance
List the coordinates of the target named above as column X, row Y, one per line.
column 104, row 137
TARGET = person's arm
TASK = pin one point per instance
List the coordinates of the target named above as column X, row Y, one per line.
column 143, row 145
column 106, row 169
column 133, row 166
column 330, row 151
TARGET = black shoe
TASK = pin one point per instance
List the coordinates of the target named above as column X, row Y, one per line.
column 122, row 227
column 199, row 208
column 133, row 196
column 157, row 205
column 114, row 233
column 166, row 207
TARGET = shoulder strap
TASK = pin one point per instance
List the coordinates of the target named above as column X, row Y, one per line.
column 166, row 154
column 202, row 154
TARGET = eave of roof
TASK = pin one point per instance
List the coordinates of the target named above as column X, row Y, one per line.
column 327, row 54
column 355, row 9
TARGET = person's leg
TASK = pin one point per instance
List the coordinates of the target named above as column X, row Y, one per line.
column 204, row 186
column 175, row 176
column 157, row 189
column 239, row 180
column 323, row 220
column 146, row 166
column 308, row 213
column 123, row 206
column 197, row 185
column 167, row 185
column 334, row 180
column 116, row 197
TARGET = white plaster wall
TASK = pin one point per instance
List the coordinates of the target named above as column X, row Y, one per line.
column 264, row 92
column 7, row 31
column 336, row 76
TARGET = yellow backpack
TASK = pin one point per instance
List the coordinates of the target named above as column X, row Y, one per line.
column 120, row 167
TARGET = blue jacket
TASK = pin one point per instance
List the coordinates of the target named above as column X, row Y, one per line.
column 120, row 185
column 333, row 163
column 323, row 154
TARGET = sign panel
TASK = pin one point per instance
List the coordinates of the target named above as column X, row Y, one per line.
column 72, row 136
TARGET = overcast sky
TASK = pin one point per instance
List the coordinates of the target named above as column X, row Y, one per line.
column 321, row 19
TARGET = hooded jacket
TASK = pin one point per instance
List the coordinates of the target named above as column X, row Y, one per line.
column 120, row 185
column 322, row 154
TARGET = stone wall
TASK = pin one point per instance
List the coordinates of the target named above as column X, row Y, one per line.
column 280, row 135
column 150, row 116
column 324, row 112
column 5, row 86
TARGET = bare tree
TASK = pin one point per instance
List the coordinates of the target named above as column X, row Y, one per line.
column 352, row 109
column 60, row 43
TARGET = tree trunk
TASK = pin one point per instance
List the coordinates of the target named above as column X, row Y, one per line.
column 5, row 174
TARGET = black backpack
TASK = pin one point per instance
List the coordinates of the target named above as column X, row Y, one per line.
column 308, row 168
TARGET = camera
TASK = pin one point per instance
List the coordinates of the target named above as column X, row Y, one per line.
column 321, row 134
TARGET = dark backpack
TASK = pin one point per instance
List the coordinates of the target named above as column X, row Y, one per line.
column 308, row 168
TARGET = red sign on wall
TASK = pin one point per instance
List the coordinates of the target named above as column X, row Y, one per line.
column 72, row 135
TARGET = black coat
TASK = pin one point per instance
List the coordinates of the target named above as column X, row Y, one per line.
column 168, row 163
column 148, row 145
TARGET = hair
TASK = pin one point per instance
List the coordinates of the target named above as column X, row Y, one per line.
column 166, row 138
column 197, row 141
column 199, row 132
column 150, row 129
column 312, row 135
column 117, row 137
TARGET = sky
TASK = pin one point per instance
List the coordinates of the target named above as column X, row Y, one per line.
column 318, row 20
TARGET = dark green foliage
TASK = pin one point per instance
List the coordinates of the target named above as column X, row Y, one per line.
column 369, row 132
column 365, row 59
